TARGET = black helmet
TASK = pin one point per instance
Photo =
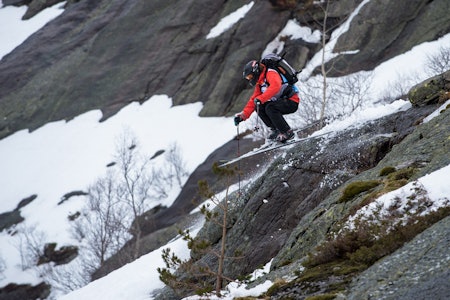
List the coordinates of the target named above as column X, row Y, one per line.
column 252, row 72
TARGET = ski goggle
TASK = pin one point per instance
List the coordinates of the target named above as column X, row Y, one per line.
column 249, row 77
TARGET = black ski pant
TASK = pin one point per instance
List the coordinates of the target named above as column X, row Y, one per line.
column 271, row 113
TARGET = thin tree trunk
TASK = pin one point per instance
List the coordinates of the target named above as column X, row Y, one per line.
column 219, row 280
column 323, row 70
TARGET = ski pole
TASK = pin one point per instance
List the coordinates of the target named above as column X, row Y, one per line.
column 257, row 119
column 239, row 163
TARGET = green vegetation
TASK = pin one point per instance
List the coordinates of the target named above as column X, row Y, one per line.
column 387, row 170
column 394, row 179
column 372, row 238
column 350, row 250
column 405, row 173
column 356, row 188
column 332, row 268
column 276, row 286
column 342, row 272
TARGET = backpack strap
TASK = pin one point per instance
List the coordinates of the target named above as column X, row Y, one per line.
column 283, row 79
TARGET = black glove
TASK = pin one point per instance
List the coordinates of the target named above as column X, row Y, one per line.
column 257, row 101
column 237, row 119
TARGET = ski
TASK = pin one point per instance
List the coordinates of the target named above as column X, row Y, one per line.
column 269, row 147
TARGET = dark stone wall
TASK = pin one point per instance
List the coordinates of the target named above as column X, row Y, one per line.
column 105, row 54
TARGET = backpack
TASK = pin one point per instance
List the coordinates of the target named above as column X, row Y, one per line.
column 278, row 63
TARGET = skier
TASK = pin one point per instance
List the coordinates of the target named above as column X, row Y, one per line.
column 271, row 99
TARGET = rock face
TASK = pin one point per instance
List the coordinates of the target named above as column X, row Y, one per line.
column 38, row 5
column 299, row 189
column 106, row 54
column 384, row 28
column 11, row 218
column 426, row 145
column 416, row 271
column 304, row 186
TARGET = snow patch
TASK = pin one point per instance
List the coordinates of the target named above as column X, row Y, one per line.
column 228, row 21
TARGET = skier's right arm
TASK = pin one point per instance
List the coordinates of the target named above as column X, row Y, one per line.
column 250, row 106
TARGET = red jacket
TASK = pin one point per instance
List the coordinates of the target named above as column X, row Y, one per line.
column 265, row 89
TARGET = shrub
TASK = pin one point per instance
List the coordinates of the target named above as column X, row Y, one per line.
column 397, row 237
column 387, row 170
column 405, row 173
column 276, row 286
column 356, row 188
column 379, row 234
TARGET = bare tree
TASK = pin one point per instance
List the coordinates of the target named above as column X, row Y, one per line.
column 221, row 221
column 134, row 184
column 323, row 69
column 435, row 64
column 325, row 97
column 439, row 62
column 400, row 87
column 30, row 244
column 103, row 223
column 310, row 110
column 111, row 216
column 2, row 267
column 116, row 201
column 176, row 167
column 66, row 278
column 349, row 93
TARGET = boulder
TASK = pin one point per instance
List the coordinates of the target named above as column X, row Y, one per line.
column 37, row 6
column 14, row 291
column 60, row 257
column 8, row 219
column 432, row 90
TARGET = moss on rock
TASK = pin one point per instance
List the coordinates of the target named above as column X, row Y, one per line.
column 430, row 91
column 356, row 188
